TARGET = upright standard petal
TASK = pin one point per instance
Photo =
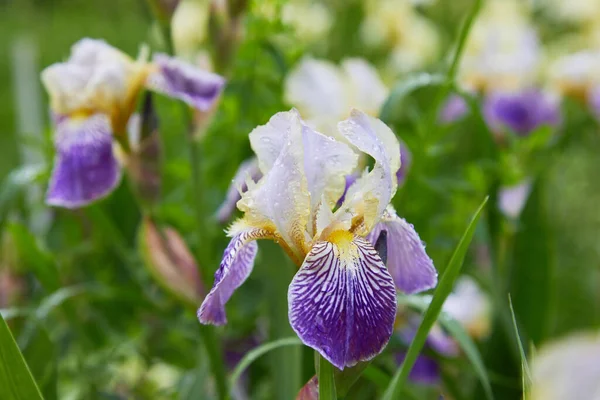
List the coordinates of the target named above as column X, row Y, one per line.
column 326, row 163
column 178, row 79
column 237, row 263
column 367, row 91
column 342, row 301
column 85, row 167
column 372, row 193
column 281, row 197
column 247, row 170
column 407, row 261
column 267, row 141
column 317, row 88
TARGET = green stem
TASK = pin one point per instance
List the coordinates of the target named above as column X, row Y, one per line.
column 213, row 347
column 326, row 380
column 211, row 342
column 285, row 363
column 214, row 351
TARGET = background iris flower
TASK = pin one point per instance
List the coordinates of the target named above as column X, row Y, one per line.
column 93, row 95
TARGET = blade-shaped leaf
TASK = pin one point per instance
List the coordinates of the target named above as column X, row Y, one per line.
column 16, row 381
column 326, row 380
column 439, row 296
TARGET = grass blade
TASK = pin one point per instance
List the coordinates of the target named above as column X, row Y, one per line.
column 439, row 296
column 16, row 381
column 256, row 353
column 526, row 373
column 326, row 380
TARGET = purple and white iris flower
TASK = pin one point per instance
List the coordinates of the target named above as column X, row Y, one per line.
column 521, row 112
column 92, row 97
column 503, row 51
column 342, row 301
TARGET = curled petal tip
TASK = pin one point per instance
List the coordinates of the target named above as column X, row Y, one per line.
column 236, row 266
column 198, row 88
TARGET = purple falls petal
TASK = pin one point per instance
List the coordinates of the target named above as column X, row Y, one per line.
column 454, row 109
column 178, row 79
column 522, row 112
column 342, row 302
column 237, row 263
column 247, row 169
column 85, row 168
column 407, row 261
column 405, row 163
column 425, row 371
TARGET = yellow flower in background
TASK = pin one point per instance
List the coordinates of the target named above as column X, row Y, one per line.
column 567, row 368
column 412, row 38
column 502, row 51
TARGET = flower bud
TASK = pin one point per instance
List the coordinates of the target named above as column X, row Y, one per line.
column 170, row 262
column 310, row 391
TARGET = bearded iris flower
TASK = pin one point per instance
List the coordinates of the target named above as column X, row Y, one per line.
column 93, row 95
column 342, row 301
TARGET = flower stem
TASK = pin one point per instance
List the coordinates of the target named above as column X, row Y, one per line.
column 214, row 351
column 326, row 380
column 211, row 342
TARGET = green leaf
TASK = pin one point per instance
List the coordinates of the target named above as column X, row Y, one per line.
column 40, row 354
column 348, row 377
column 439, row 296
column 326, row 380
column 404, row 87
column 34, row 257
column 534, row 268
column 15, row 183
column 458, row 333
column 256, row 353
column 525, row 372
column 16, row 381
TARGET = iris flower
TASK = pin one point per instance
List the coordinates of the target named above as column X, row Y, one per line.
column 342, row 301
column 324, row 92
column 502, row 51
column 567, row 368
column 92, row 97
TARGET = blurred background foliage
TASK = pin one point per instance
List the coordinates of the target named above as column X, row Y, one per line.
column 91, row 321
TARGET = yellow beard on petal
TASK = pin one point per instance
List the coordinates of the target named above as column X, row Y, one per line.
column 347, row 251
